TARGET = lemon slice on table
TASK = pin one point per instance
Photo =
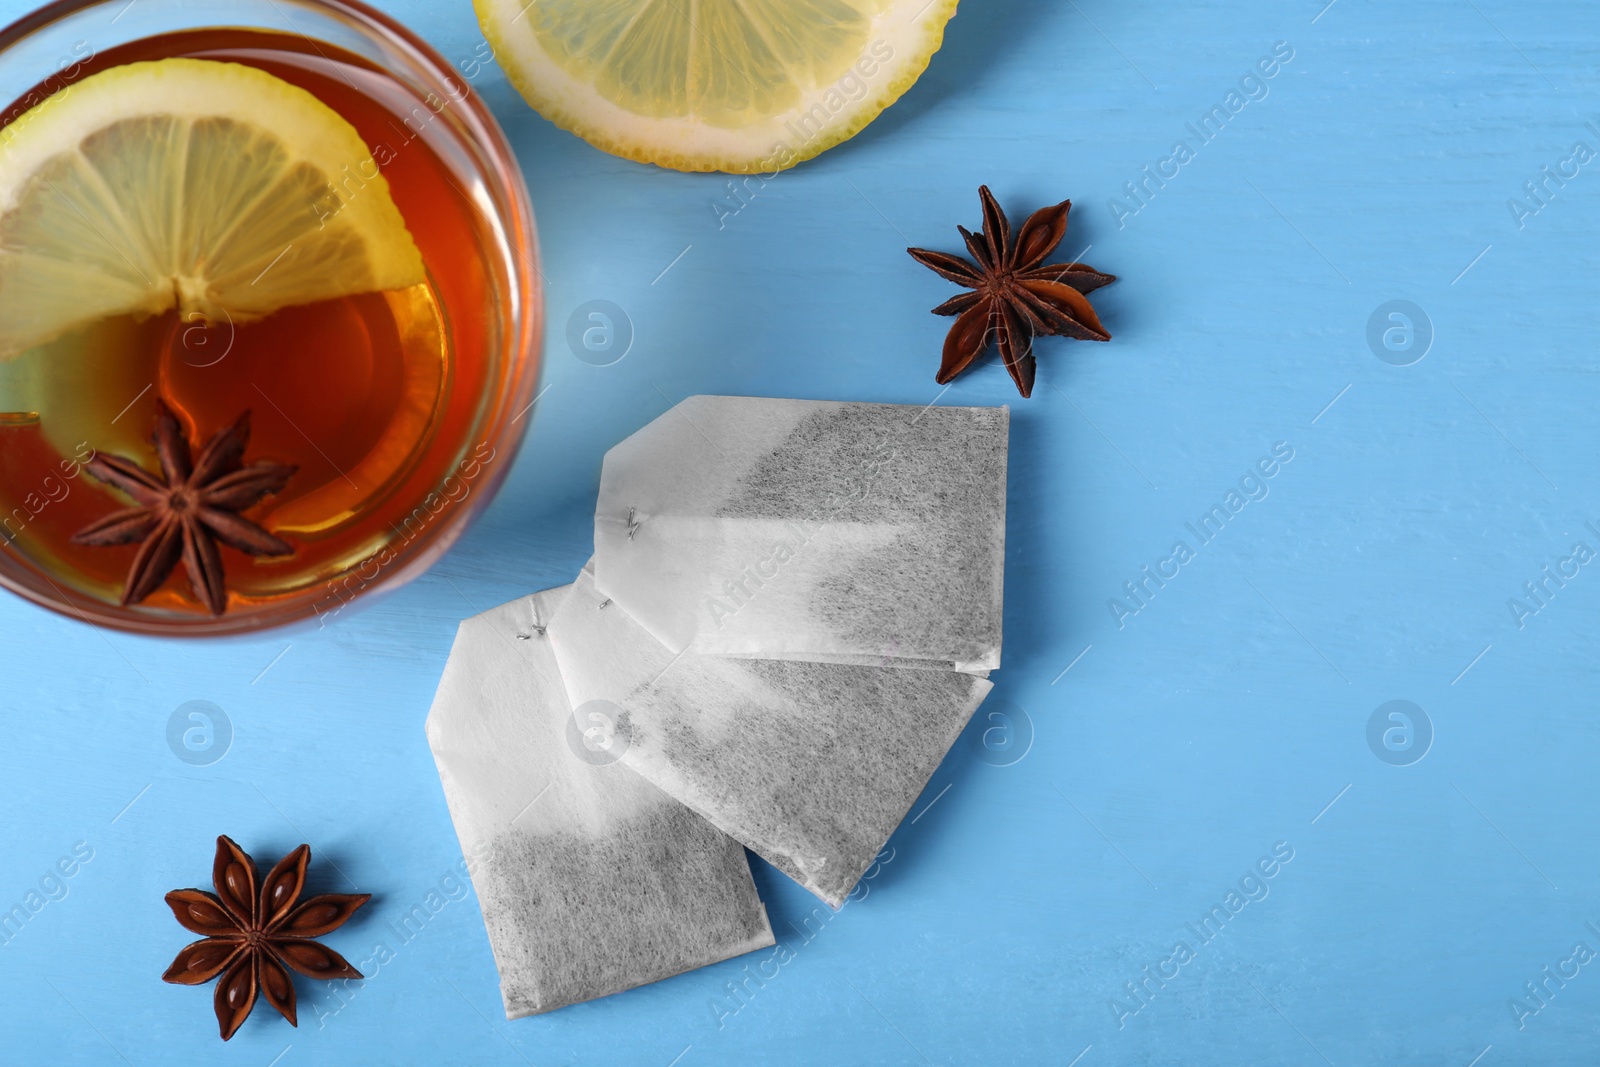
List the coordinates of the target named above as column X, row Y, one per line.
column 212, row 187
column 736, row 85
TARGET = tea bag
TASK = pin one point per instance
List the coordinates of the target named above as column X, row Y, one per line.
column 802, row 529
column 810, row 765
column 591, row 879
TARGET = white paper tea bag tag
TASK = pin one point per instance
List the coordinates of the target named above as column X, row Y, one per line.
column 810, row 765
column 591, row 879
column 812, row 530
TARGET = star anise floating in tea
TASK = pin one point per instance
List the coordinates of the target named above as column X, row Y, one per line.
column 184, row 512
column 1015, row 295
column 254, row 935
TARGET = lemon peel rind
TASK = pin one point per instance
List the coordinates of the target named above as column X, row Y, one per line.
column 566, row 101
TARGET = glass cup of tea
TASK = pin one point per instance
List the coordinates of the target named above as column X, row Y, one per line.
column 274, row 309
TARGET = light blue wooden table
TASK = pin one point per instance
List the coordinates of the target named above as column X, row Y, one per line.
column 1424, row 871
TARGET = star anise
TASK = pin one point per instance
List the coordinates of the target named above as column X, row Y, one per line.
column 252, row 934
column 186, row 511
column 1015, row 296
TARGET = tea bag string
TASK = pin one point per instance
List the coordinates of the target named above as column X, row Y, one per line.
column 537, row 628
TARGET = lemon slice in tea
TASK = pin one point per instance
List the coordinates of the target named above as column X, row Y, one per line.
column 211, row 187
column 733, row 85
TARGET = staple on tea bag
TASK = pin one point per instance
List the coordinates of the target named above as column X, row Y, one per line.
column 591, row 879
column 811, row 530
column 810, row 765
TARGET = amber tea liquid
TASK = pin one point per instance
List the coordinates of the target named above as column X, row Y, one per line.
column 373, row 397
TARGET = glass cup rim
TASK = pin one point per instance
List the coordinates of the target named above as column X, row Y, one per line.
column 504, row 426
